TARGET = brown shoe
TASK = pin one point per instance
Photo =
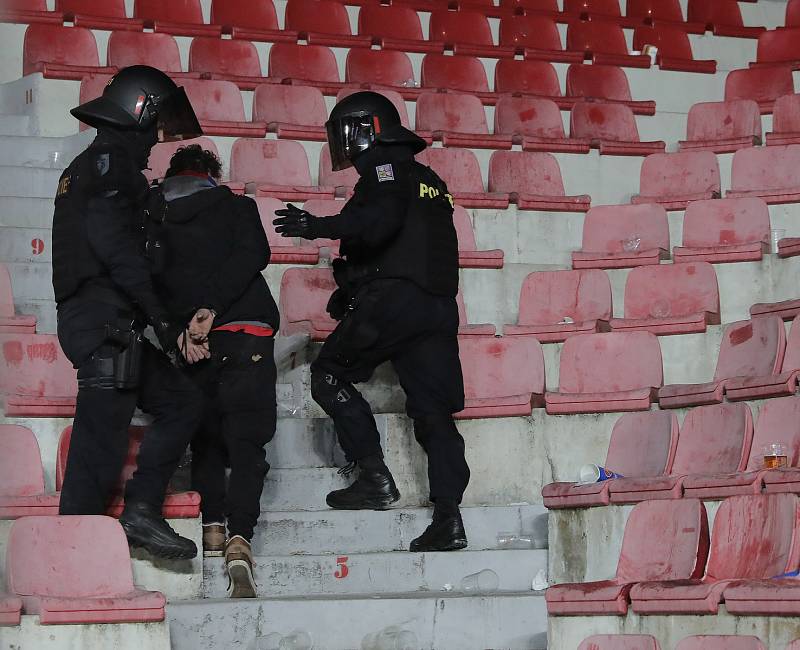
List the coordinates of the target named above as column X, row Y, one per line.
column 213, row 540
column 239, row 562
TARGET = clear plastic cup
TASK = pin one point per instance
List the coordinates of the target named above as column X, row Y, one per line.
column 511, row 540
column 481, row 582
column 776, row 455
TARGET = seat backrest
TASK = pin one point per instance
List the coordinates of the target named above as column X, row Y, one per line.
column 156, row 49
column 279, row 162
column 34, row 365
column 500, row 367
column 160, row 155
column 720, row 642
column 672, row 42
column 766, row 168
column 791, row 357
column 593, row 7
column 792, row 13
column 392, row 95
column 251, row 14
column 714, row 12
column 382, row 67
column 786, row 114
column 753, row 537
column 694, row 172
column 533, row 172
column 174, row 11
column 266, row 211
column 598, row 121
column 215, row 100
column 390, row 21
column 726, row 222
column 305, row 293
column 610, row 362
column 671, row 290
column 611, row 228
column 528, row 116
column 760, row 84
column 343, row 178
column 224, row 56
column 289, row 105
column 778, row 45
column 778, row 421
column 21, row 472
column 105, row 8
column 751, row 348
column 643, row 443
column 6, row 293
column 598, row 82
column 619, row 642
column 667, row 10
column 25, row 5
column 452, row 27
column 452, row 112
column 527, row 77
column 543, row 6
column 464, row 231
column 321, row 16
column 464, row 73
column 58, row 44
column 538, row 32
column 310, row 62
column 547, row 297
column 737, row 118
column 597, row 37
column 664, row 540
column 457, row 167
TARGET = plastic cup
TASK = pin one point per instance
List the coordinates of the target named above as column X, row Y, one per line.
column 481, row 582
column 508, row 540
column 631, row 244
column 775, row 455
column 774, row 237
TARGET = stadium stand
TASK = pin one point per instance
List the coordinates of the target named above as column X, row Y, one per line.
column 606, row 83
column 60, row 52
column 250, row 20
column 722, row 127
column 675, row 179
column 611, row 128
column 536, row 37
column 785, row 121
column 762, row 85
column 322, row 22
column 770, row 173
column 536, row 125
column 22, row 490
column 722, row 17
column 674, row 49
column 291, row 112
column 603, row 43
column 457, row 120
column 231, row 60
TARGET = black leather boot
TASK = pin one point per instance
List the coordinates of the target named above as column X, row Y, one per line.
column 374, row 489
column 147, row 529
column 445, row 533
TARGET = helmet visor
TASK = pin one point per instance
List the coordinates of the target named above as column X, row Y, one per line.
column 348, row 136
column 176, row 117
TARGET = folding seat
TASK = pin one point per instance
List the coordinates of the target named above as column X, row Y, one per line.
column 724, row 230
column 77, row 569
column 291, row 112
column 342, row 182
column 539, row 78
column 785, row 121
column 227, row 59
column 752, row 538
column 619, row 642
column 303, row 298
column 250, row 20
column 722, row 17
column 605, row 83
column 660, row 12
column 465, row 328
column 97, row 14
column 178, row 17
column 395, row 27
column 622, row 236
column 378, row 69
column 220, row 109
column 749, row 348
column 674, row 49
column 554, row 305
column 722, row 127
column 785, row 309
column 469, row 257
column 279, row 168
column 460, row 170
column 792, row 16
column 457, row 120
column 462, row 73
column 10, row 321
column 465, row 32
column 713, row 439
column 603, row 43
column 611, row 128
column 322, row 22
column 670, row 299
column 533, row 181
column 21, row 475
column 503, row 377
column 601, row 373
column 146, row 48
column 663, row 540
column 29, row 12
column 763, row 85
column 675, row 179
column 772, row 173
column 10, row 606
column 305, row 65
column 60, row 52
column 284, row 250
column 535, row 37
column 642, row 445
column 779, row 46
column 720, row 642
column 536, row 124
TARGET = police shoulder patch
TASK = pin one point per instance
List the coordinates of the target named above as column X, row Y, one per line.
column 385, row 172
column 102, row 163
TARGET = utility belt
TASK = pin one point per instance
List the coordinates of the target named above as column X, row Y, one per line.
column 349, row 278
column 118, row 362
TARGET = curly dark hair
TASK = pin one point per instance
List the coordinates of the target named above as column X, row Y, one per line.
column 194, row 158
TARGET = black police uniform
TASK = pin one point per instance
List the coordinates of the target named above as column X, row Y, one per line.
column 401, row 250
column 102, row 285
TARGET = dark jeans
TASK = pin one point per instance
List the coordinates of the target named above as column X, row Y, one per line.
column 238, row 421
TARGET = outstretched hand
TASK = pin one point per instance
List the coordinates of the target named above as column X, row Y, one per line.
column 295, row 222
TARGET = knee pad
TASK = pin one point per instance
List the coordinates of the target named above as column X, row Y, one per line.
column 328, row 391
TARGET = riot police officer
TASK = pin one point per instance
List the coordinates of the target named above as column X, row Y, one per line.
column 105, row 297
column 396, row 301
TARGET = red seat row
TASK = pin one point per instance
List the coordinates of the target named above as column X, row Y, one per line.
column 698, row 642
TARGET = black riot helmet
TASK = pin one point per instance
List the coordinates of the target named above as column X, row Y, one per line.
column 362, row 120
column 139, row 98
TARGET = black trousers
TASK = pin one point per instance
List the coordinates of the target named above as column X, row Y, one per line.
column 395, row 320
column 238, row 421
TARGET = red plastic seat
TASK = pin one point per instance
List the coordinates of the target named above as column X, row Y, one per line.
column 503, row 377
column 535, row 37
column 60, row 52
column 549, row 298
column 284, row 250
column 10, row 609
column 536, row 124
column 722, row 127
column 461, row 73
column 465, row 328
column 220, row 109
column 752, row 538
column 539, row 78
column 785, row 309
column 762, row 85
column 601, row 373
column 611, row 128
column 525, row 7
column 460, row 170
column 642, row 445
column 178, row 17
column 792, row 16
column 781, row 46
column 77, row 569
column 469, row 257
column 605, row 83
column 250, row 20
column 670, row 299
column 378, row 69
column 533, row 181
column 663, row 540
column 674, row 49
column 675, row 179
column 660, row 12
column 342, row 181
column 97, row 14
column 303, row 298
column 232, row 60
column 279, row 168
column 771, row 173
column 145, row 48
column 10, row 321
column 595, row 10
column 619, row 642
column 28, row 12
column 622, row 236
column 723, row 17
column 720, row 642
column 305, row 65
column 785, row 121
column 21, row 475
column 322, row 22
column 291, row 112
column 603, row 43
column 395, row 27
column 458, row 120
column 724, row 230
column 749, row 348
column 465, row 32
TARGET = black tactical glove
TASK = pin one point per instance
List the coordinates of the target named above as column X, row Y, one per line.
column 295, row 222
column 167, row 333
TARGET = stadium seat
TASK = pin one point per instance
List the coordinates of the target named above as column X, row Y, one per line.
column 785, row 121
column 779, row 46
column 770, row 597
column 305, row 65
column 291, row 112
column 722, row 127
column 10, row 321
column 762, row 85
column 250, row 20
column 535, row 37
column 465, row 328
column 457, row 120
column 226, row 60
column 778, row 422
column 535, row 124
column 670, row 299
column 535, row 7
column 177, row 17
column 76, row 569
column 713, row 439
column 724, row 230
column 322, row 22
column 792, row 15
column 220, row 110
column 146, row 48
column 97, row 14
column 284, row 250
column 460, row 170
column 597, row 10
column 22, row 476
column 674, row 49
column 10, row 606
column 786, row 309
column 29, row 12
column 303, row 297
column 503, row 377
column 279, row 168
column 752, row 538
column 539, row 78
column 461, row 73
column 772, row 173
column 722, row 17
column 379, row 69
column 601, row 373
column 342, row 181
column 619, row 642
column 642, row 445
column 554, row 305
column 611, row 128
column 60, row 52
column 663, row 540
column 622, row 236
column 749, row 348
column 532, row 180
column 465, row 32
column 660, row 12
column 395, row 27
column 675, row 179
column 720, row 642
column 605, row 83
column 603, row 43
column 469, row 257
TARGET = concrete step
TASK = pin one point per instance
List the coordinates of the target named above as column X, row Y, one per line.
column 14, row 126
column 26, row 212
column 31, row 151
column 36, row 182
